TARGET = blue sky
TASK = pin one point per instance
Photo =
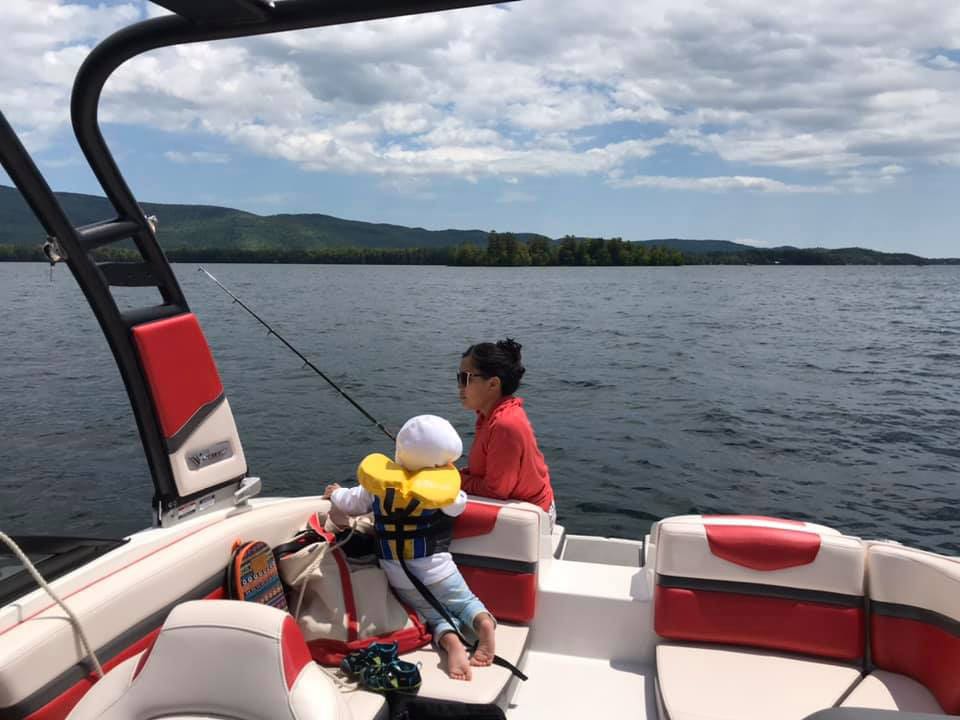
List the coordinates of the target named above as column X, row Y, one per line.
column 823, row 124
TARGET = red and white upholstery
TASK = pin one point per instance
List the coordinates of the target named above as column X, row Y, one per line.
column 761, row 583
column 218, row 659
column 497, row 547
column 914, row 632
column 194, row 414
column 773, row 606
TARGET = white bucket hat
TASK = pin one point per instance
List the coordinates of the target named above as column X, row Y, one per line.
column 427, row 441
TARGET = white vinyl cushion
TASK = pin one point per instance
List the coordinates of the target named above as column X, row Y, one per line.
column 684, row 551
column 488, row 683
column 143, row 577
column 741, row 520
column 106, row 691
column 366, row 705
column 882, row 690
column 363, row 705
column 218, row 427
column 221, row 658
column 515, row 535
column 714, row 682
column 897, row 574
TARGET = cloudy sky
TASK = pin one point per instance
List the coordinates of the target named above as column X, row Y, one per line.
column 814, row 123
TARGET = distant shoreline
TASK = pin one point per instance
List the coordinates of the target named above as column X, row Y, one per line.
column 204, row 233
column 419, row 256
column 510, row 250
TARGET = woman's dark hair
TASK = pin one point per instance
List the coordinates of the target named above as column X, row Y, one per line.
column 500, row 359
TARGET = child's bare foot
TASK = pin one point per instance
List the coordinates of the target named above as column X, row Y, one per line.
column 486, row 633
column 458, row 664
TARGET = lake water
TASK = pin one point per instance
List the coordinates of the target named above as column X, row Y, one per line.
column 822, row 393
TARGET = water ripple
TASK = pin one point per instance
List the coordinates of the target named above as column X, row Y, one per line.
column 828, row 394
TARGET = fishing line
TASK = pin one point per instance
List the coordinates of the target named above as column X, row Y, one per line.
column 300, row 355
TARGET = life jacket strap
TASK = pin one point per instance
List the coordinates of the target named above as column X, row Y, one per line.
column 424, row 591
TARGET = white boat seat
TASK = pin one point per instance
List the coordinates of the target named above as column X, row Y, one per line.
column 779, row 585
column 218, row 658
column 366, row 705
column 697, row 682
column 773, row 611
column 496, row 545
column 882, row 690
column 914, row 631
column 488, row 684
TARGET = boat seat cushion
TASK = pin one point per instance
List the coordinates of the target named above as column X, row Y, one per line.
column 883, row 690
column 779, row 585
column 218, row 658
column 716, row 682
column 915, row 618
column 496, row 545
column 754, row 520
column 488, row 684
column 363, row 705
column 366, row 705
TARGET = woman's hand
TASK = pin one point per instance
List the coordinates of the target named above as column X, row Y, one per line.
column 329, row 490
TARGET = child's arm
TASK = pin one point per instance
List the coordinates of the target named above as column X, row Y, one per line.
column 352, row 501
column 457, row 506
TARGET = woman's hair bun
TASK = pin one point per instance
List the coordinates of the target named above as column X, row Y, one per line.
column 511, row 347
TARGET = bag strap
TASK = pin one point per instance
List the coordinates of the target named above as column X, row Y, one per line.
column 330, row 542
column 402, row 516
column 232, row 589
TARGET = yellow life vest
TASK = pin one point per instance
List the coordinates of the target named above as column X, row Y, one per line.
column 433, row 488
column 407, row 506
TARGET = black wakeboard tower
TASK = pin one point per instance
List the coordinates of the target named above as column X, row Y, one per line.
column 185, row 423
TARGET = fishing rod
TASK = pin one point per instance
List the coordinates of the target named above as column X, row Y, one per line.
column 300, row 355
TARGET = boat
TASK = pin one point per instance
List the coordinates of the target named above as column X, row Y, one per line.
column 706, row 618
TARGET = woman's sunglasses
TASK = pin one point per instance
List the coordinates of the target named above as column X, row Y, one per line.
column 463, row 377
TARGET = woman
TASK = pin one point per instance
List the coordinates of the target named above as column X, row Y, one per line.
column 505, row 462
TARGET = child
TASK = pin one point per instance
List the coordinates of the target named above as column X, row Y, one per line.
column 428, row 441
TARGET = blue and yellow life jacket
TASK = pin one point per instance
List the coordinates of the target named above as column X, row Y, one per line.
column 407, row 506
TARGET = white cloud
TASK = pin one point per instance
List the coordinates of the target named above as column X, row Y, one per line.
column 718, row 184
column 842, row 91
column 44, row 44
column 869, row 179
column 944, row 63
column 196, row 157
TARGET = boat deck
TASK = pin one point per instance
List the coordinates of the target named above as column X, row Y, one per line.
column 579, row 687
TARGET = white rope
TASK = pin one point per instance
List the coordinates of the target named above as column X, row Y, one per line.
column 21, row 556
column 321, row 553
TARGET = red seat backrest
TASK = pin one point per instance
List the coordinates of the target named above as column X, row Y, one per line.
column 915, row 618
column 497, row 548
column 760, row 582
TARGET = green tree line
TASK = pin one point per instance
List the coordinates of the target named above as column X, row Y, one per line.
column 503, row 249
column 331, row 256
